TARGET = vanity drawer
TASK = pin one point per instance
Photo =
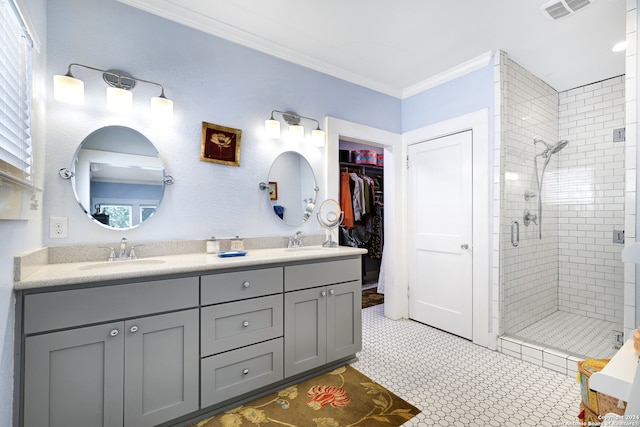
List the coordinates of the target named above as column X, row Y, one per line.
column 224, row 287
column 80, row 307
column 240, row 371
column 322, row 273
column 241, row 323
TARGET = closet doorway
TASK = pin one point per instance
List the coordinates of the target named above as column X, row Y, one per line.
column 361, row 198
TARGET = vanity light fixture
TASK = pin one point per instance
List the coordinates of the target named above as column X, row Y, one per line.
column 69, row 89
column 296, row 130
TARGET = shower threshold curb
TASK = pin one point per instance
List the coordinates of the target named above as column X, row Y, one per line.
column 546, row 357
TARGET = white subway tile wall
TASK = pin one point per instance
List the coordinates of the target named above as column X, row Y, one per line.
column 590, row 198
column 631, row 99
column 575, row 267
column 529, row 270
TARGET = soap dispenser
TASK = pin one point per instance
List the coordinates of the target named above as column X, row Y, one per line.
column 237, row 244
column 213, row 246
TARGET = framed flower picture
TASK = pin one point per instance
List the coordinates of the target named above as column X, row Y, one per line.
column 220, row 144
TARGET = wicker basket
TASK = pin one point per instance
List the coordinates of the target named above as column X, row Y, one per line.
column 598, row 403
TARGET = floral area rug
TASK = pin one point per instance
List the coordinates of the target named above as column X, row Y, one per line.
column 341, row 398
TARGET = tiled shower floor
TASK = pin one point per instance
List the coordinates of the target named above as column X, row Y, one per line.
column 574, row 334
column 457, row 383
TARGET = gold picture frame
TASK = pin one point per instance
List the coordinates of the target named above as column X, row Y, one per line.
column 220, row 144
column 273, row 190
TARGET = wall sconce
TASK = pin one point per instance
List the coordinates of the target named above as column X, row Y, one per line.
column 296, row 130
column 69, row 89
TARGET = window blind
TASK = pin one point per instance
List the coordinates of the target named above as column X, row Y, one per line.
column 15, row 95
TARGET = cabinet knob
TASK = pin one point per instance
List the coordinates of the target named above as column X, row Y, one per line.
column 134, row 329
column 245, row 372
column 114, row 333
column 332, row 292
column 245, row 324
column 323, row 293
column 246, row 284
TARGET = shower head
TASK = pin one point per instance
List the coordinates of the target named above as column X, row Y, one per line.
column 551, row 149
column 559, row 146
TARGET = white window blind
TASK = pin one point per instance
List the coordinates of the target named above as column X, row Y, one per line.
column 15, row 95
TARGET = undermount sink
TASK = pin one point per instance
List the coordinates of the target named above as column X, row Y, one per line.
column 122, row 264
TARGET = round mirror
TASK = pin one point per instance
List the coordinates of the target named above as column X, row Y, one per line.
column 118, row 177
column 292, row 188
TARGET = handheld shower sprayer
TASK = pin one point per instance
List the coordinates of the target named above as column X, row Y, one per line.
column 547, row 153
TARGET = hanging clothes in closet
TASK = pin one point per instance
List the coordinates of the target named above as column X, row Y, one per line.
column 362, row 205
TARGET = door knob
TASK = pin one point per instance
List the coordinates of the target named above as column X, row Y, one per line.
column 464, row 246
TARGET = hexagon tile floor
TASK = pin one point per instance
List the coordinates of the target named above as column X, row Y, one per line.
column 457, row 383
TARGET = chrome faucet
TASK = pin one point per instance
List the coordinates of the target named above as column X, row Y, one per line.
column 296, row 241
column 123, row 248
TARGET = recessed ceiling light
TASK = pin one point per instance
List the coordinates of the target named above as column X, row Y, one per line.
column 619, row 47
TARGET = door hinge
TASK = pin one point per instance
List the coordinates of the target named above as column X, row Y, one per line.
column 407, row 162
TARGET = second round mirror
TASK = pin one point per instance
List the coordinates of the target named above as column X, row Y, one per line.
column 292, row 188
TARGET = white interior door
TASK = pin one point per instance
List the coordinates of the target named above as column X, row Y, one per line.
column 440, row 221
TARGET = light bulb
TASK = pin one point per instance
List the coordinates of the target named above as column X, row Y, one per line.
column 296, row 133
column 119, row 100
column 161, row 108
column 272, row 128
column 68, row 89
column 317, row 137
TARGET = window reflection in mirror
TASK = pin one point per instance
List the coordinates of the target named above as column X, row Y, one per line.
column 119, row 177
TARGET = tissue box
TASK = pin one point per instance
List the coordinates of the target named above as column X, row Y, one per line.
column 365, row 157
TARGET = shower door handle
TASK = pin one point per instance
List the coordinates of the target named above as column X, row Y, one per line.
column 515, row 233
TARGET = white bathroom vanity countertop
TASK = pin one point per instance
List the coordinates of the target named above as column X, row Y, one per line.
column 616, row 377
column 71, row 273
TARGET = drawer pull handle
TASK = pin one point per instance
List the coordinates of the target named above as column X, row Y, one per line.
column 246, row 284
column 332, row 292
column 114, row 333
column 323, row 293
column 245, row 324
column 245, row 372
column 134, row 329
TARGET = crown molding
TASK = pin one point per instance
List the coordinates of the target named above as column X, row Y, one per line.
column 467, row 67
column 175, row 12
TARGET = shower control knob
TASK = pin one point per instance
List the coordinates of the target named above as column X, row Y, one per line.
column 464, row 246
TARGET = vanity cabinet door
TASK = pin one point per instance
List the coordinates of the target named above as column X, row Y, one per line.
column 305, row 330
column 161, row 368
column 344, row 320
column 74, row 377
column 322, row 325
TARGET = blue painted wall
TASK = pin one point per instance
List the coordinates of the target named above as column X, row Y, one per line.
column 209, row 79
column 465, row 94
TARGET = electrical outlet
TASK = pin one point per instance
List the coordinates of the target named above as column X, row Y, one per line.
column 58, row 227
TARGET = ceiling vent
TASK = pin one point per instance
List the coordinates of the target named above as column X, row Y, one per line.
column 556, row 9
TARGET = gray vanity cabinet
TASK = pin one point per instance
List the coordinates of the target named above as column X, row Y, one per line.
column 241, row 336
column 161, row 375
column 323, row 324
column 152, row 351
column 137, row 372
column 74, row 377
